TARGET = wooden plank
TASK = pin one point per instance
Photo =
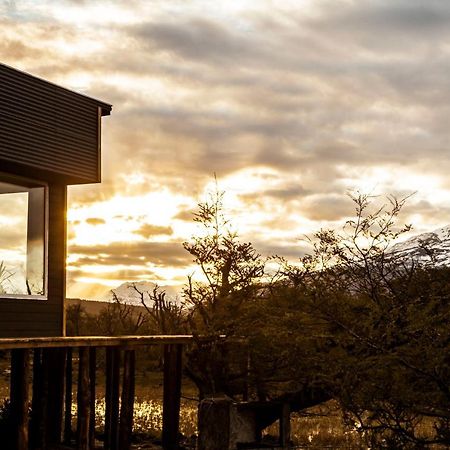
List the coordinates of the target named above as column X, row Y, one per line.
column 83, row 400
column 112, row 399
column 172, row 395
column 20, row 372
column 92, row 381
column 127, row 404
column 95, row 341
column 68, row 399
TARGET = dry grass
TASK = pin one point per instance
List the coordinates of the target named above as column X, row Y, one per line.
column 148, row 416
column 321, row 427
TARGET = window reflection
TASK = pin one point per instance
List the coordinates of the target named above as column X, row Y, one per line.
column 22, row 239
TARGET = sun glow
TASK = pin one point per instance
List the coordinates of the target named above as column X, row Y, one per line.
column 119, row 218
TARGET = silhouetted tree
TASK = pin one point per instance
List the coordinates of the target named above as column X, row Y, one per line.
column 387, row 321
column 166, row 315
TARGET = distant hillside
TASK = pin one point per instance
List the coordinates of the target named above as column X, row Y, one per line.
column 92, row 307
column 126, row 293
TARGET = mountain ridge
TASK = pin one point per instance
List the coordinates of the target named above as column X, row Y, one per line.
column 425, row 248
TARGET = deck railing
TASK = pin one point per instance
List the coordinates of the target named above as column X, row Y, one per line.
column 42, row 376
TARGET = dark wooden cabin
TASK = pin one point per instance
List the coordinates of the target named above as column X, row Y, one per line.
column 49, row 138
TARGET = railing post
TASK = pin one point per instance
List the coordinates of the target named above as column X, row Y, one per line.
column 172, row 395
column 92, row 379
column 37, row 405
column 68, row 399
column 112, row 398
column 127, row 404
column 83, row 400
column 285, row 424
column 55, row 402
column 20, row 372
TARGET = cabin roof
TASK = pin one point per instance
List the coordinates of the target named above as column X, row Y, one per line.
column 33, row 79
column 47, row 130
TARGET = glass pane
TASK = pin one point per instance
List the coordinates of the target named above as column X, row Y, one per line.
column 22, row 240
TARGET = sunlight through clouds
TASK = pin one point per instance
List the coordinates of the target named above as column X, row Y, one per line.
column 292, row 104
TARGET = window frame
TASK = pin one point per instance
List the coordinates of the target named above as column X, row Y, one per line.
column 30, row 182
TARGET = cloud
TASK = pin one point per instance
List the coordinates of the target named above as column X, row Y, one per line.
column 327, row 97
column 278, row 194
column 170, row 254
column 198, row 40
column 95, row 221
column 12, row 239
column 141, row 273
column 327, row 208
column 147, row 230
column 186, row 215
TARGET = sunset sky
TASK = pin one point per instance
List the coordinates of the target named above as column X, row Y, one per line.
column 292, row 103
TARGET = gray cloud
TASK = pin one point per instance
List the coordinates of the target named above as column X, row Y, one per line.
column 327, row 207
column 119, row 275
column 198, row 39
column 138, row 253
column 284, row 194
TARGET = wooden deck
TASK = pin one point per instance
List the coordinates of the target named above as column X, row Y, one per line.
column 42, row 376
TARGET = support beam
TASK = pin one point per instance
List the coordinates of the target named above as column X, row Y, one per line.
column 112, row 399
column 172, row 395
column 83, row 400
column 127, row 404
column 92, row 380
column 68, row 399
column 20, row 372
column 37, row 405
column 285, row 425
column 56, row 372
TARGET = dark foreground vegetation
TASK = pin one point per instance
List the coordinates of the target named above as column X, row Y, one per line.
column 352, row 321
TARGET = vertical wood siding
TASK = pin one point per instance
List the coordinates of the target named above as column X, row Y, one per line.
column 48, row 127
column 32, row 317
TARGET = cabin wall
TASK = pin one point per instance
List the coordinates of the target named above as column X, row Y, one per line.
column 50, row 135
column 34, row 317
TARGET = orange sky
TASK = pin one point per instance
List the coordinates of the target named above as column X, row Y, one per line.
column 291, row 103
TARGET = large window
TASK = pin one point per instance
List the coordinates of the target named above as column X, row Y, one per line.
column 22, row 238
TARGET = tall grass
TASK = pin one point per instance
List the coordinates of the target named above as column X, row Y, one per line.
column 319, row 428
column 147, row 417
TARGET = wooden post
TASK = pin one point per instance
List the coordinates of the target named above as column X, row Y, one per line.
column 68, row 399
column 285, row 425
column 57, row 360
column 246, row 366
column 20, row 372
column 92, row 378
column 37, row 412
column 112, row 398
column 127, row 405
column 83, row 400
column 44, row 397
column 172, row 395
